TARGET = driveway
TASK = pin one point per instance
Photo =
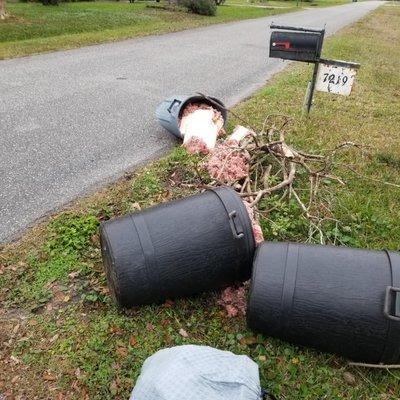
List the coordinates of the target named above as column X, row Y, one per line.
column 73, row 120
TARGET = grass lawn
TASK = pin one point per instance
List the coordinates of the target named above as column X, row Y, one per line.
column 63, row 338
column 35, row 28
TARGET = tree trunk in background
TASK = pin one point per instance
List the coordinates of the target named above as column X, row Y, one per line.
column 3, row 13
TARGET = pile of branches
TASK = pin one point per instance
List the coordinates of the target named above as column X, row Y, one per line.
column 268, row 165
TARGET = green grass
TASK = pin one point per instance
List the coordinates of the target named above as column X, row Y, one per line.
column 71, row 341
column 34, row 28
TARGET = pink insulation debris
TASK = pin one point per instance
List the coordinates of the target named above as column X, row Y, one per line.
column 257, row 232
column 226, row 164
column 196, row 145
column 200, row 126
column 234, row 301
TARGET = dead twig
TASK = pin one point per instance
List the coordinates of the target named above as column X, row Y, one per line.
column 380, row 366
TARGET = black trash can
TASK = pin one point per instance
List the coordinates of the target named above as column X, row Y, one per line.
column 176, row 249
column 170, row 111
column 335, row 299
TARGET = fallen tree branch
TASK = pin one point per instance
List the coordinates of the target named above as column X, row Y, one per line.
column 380, row 366
column 288, row 181
column 273, row 166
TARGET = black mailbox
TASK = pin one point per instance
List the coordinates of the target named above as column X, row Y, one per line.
column 297, row 46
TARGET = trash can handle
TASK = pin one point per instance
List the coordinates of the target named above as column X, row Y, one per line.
column 388, row 303
column 236, row 227
column 176, row 101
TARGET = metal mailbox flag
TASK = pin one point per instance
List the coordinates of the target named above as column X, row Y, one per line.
column 336, row 77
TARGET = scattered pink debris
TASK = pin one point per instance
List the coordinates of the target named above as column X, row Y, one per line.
column 238, row 134
column 257, row 232
column 194, row 107
column 233, row 299
column 200, row 126
column 227, row 165
column 196, row 146
column 258, row 235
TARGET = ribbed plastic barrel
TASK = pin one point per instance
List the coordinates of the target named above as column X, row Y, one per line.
column 177, row 249
column 335, row 299
column 169, row 112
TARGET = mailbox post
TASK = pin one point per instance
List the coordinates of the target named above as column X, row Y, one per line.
column 311, row 89
column 298, row 44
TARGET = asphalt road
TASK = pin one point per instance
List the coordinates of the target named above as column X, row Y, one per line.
column 73, row 120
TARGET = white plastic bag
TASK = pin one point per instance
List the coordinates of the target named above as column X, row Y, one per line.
column 197, row 373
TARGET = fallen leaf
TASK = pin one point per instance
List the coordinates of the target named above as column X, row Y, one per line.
column 168, row 303
column 150, row 326
column 113, row 388
column 132, row 341
column 135, row 206
column 75, row 384
column 183, row 333
column 280, row 360
column 168, row 340
column 122, row 351
column 66, row 299
column 54, row 338
column 247, row 340
column 48, row 376
column 349, row 378
column 114, row 329
column 59, row 296
column 262, row 358
column 94, row 239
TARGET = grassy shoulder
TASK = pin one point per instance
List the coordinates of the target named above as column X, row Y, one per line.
column 62, row 337
column 34, row 28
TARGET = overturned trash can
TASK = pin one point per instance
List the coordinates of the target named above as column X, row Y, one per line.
column 199, row 243
column 335, row 299
column 169, row 112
